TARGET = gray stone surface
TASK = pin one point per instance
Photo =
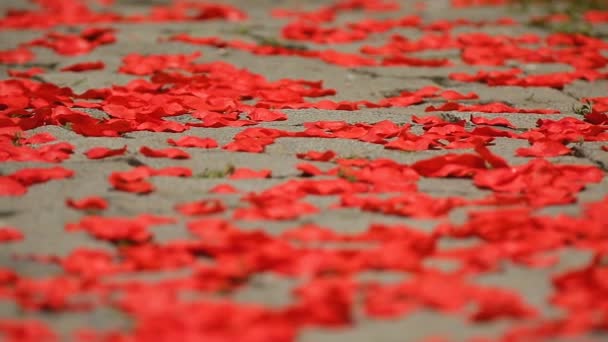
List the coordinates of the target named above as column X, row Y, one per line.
column 42, row 214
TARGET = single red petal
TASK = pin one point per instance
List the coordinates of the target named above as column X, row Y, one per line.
column 488, row 131
column 401, row 101
column 7, row 276
column 25, row 73
column 10, row 234
column 317, row 156
column 104, row 152
column 29, row 176
column 494, row 160
column 148, row 219
column 137, row 187
column 452, row 95
column 85, row 66
column 450, row 165
column 246, row 173
column 88, row 203
column 190, row 141
column 597, row 118
column 11, row 187
column 132, row 181
column 309, row 169
column 265, row 115
column 605, row 148
column 420, row 144
column 248, row 145
column 39, row 138
column 544, row 148
column 223, row 189
column 173, row 153
column 19, row 55
column 203, row 207
column 411, row 61
column 492, row 122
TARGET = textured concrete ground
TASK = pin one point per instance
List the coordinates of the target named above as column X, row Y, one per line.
column 39, row 285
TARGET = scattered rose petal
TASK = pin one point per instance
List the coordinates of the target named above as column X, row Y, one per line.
column 88, row 203
column 104, row 152
column 245, row 173
column 84, row 66
column 10, row 234
column 317, row 156
column 544, row 148
column 203, row 207
column 172, row 153
column 190, row 141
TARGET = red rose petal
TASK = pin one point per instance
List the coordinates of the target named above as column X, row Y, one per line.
column 317, row 156
column 11, row 187
column 246, row 173
column 223, row 189
column 190, row 141
column 202, row 207
column 19, row 55
column 85, row 66
column 544, row 148
column 173, row 153
column 10, row 234
column 30, row 176
column 88, row 203
column 452, row 95
column 132, row 181
column 104, row 152
column 27, row 330
column 478, row 120
column 26, row 73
